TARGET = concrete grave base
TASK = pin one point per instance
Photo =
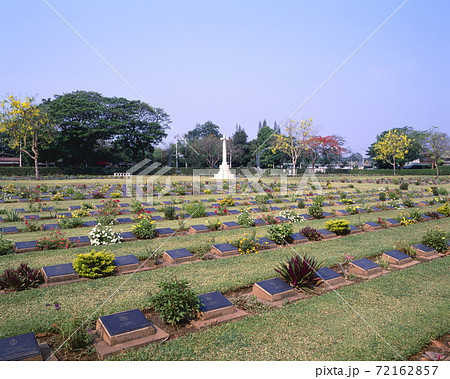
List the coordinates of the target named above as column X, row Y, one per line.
column 104, row 350
column 367, row 274
column 262, row 294
column 223, row 253
column 220, row 319
column 60, row 278
column 404, row 263
column 168, row 259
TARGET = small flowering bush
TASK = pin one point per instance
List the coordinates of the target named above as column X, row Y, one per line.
column 195, row 209
column 21, row 278
column 395, row 204
column 245, row 219
column 107, row 215
column 280, row 233
column 381, row 222
column 54, row 240
column 87, row 206
column 228, row 201
column 352, row 209
column 144, row 229
column 436, row 238
column 103, row 235
column 247, row 245
column 207, row 191
column 406, row 221
column 80, row 213
column 31, row 225
column 315, row 211
column 213, row 225
column 347, row 201
column 95, row 264
column 57, row 197
column 116, row 195
column 136, row 206
column 291, row 215
column 339, row 227
column 269, row 219
column 221, row 210
column 444, row 209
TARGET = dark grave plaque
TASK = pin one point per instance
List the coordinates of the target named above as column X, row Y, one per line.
column 23, row 347
column 1, row 219
column 224, row 249
column 424, row 251
column 342, row 212
column 9, row 230
column 210, row 214
column 372, row 225
column 59, row 273
column 272, row 289
column 327, row 215
column 178, row 256
column 425, row 218
column 23, row 200
column 307, row 216
column 157, row 218
column 397, row 258
column 80, row 240
column 125, row 211
column 260, row 222
column 128, row 236
column 230, row 225
column 99, row 205
column 50, row 226
column 164, row 232
column 126, row 263
column 354, row 229
column 327, row 273
column 31, row 217
column 166, row 202
column 298, row 238
column 124, row 326
column 257, row 210
column 266, row 243
column 89, row 223
column 234, row 212
column 214, row 304
column 125, row 220
column 151, row 209
column 19, row 210
column 26, row 246
column 376, row 209
column 74, row 207
column 326, row 233
column 199, row 229
column 364, row 267
column 282, row 219
column 440, row 215
column 123, row 205
column 392, row 222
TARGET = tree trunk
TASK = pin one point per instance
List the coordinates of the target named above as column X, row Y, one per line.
column 394, row 166
column 437, row 169
column 294, row 167
column 36, row 168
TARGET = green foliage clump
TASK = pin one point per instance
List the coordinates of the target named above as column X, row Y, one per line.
column 6, row 246
column 315, row 211
column 195, row 209
column 311, row 233
column 436, row 238
column 444, row 209
column 136, row 206
column 404, row 186
column 144, row 229
column 170, row 212
column 339, row 227
column 280, row 233
column 11, row 215
column 70, row 222
column 21, row 278
column 175, row 302
column 95, row 264
column 301, row 204
column 299, row 271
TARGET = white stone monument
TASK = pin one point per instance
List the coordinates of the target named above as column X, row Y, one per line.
column 224, row 170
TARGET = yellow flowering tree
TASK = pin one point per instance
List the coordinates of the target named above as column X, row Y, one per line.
column 294, row 141
column 394, row 145
column 26, row 126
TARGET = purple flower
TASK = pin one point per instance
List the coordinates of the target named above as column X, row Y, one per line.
column 57, row 306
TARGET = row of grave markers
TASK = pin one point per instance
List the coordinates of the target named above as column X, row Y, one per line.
column 131, row 329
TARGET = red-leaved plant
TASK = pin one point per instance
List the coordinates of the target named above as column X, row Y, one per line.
column 299, row 271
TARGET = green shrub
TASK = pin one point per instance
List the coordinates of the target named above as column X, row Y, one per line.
column 247, row 245
column 170, row 212
column 444, row 209
column 407, row 202
column 136, row 206
column 70, row 222
column 339, row 227
column 195, row 209
column 319, row 200
column 352, row 209
column 95, row 264
column 213, row 225
column 11, row 215
column 301, row 204
column 21, row 278
column 299, row 271
column 315, row 211
column 280, row 233
column 404, row 186
column 6, row 246
column 382, row 196
column 175, row 302
column 436, row 238
column 201, row 251
column 245, row 218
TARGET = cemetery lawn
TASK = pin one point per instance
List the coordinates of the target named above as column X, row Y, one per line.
column 402, row 312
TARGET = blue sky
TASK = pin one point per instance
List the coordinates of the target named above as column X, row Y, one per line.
column 241, row 61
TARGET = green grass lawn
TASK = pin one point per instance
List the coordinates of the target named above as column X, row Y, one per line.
column 388, row 318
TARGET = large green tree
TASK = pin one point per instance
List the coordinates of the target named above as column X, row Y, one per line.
column 415, row 150
column 93, row 127
column 437, row 147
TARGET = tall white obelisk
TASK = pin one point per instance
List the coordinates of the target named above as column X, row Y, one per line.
column 224, row 170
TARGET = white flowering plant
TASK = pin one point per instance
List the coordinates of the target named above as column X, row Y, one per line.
column 291, row 215
column 103, row 235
